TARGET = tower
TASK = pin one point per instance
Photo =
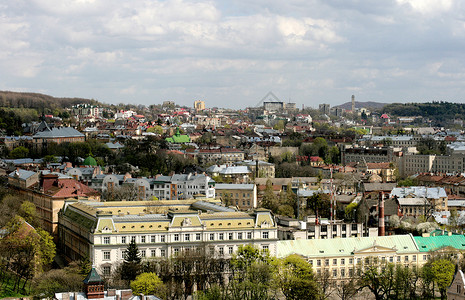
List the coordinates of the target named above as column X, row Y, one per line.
column 353, row 103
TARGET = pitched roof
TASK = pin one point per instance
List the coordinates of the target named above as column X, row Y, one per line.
column 58, row 133
column 433, row 243
column 93, row 277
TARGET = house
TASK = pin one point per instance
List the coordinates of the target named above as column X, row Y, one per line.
column 244, row 196
column 102, row 230
column 56, row 135
column 456, row 290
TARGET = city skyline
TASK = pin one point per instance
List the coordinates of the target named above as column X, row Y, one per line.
column 232, row 54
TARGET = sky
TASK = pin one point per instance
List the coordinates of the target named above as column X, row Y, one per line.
column 232, row 53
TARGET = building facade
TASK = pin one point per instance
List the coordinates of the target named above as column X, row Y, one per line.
column 102, row 230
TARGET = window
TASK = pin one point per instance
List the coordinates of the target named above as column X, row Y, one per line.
column 106, row 255
column 230, row 235
column 221, row 236
column 343, row 272
column 230, row 250
column 351, row 261
column 197, row 236
column 406, row 258
column 264, row 234
column 249, row 235
column 221, row 250
column 391, row 259
column 318, row 262
column 176, row 237
column 152, row 239
column 123, row 240
column 414, row 258
column 212, row 236
column 354, row 227
column 265, row 247
column 212, row 251
column 424, row 257
column 239, row 236
column 359, row 260
column 162, row 238
column 334, row 273
column 343, row 261
column 162, row 252
column 351, row 272
column 106, row 240
column 106, row 270
column 176, row 251
column 334, row 261
column 153, row 253
column 142, row 253
column 327, row 262
column 142, row 239
column 133, row 238
column 398, row 258
column 187, row 237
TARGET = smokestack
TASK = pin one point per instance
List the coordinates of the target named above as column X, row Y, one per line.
column 353, row 103
column 256, row 168
column 381, row 214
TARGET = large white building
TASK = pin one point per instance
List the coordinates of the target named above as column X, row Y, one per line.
column 102, row 230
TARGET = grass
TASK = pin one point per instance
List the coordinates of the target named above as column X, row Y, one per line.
column 7, row 290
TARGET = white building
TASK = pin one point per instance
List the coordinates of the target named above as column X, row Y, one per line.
column 102, row 230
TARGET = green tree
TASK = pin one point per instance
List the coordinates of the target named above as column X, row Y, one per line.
column 443, row 271
column 148, row 284
column 269, row 199
column 131, row 265
column 297, row 280
column 19, row 152
column 28, row 212
column 320, row 205
column 378, row 279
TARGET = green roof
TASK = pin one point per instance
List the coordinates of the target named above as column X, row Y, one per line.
column 433, row 243
column 93, row 277
column 344, row 246
column 90, row 161
column 178, row 138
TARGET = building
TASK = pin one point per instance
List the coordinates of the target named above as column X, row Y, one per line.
column 199, row 105
column 265, row 169
column 342, row 258
column 221, row 155
column 436, row 196
column 456, row 290
column 48, row 191
column 86, row 110
column 178, row 138
column 351, row 154
column 102, row 230
column 56, row 135
column 243, row 196
column 410, row 164
column 325, row 109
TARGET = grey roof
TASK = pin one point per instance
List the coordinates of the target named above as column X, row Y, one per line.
column 308, row 193
column 21, row 174
column 211, row 206
column 419, row 192
column 235, row 170
column 413, row 201
column 234, row 186
column 378, row 186
column 116, row 145
column 58, row 133
column 253, row 163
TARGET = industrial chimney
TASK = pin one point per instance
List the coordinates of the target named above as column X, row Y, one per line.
column 381, row 214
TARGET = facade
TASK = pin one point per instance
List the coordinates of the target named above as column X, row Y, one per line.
column 56, row 135
column 456, row 290
column 265, row 169
column 368, row 154
column 49, row 194
column 244, row 196
column 410, row 164
column 199, row 105
column 222, row 155
column 342, row 258
column 86, row 110
column 102, row 230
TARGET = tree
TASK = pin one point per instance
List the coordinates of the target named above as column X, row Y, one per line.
column 443, row 271
column 269, row 199
column 132, row 262
column 378, row 279
column 27, row 211
column 347, row 289
column 148, row 284
column 320, row 205
column 19, row 152
column 296, row 279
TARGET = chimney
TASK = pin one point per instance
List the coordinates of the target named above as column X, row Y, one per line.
column 381, row 214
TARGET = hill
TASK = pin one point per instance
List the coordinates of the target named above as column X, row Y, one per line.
column 369, row 105
column 440, row 113
column 41, row 102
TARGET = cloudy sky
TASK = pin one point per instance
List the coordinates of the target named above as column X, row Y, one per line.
column 232, row 53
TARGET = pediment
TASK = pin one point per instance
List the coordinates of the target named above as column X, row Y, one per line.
column 375, row 249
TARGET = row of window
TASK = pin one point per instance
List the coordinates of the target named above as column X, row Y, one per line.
column 187, row 237
column 366, row 260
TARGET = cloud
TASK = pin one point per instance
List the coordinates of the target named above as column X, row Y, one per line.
column 233, row 52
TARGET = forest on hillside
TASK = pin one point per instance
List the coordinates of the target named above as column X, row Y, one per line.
column 439, row 112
